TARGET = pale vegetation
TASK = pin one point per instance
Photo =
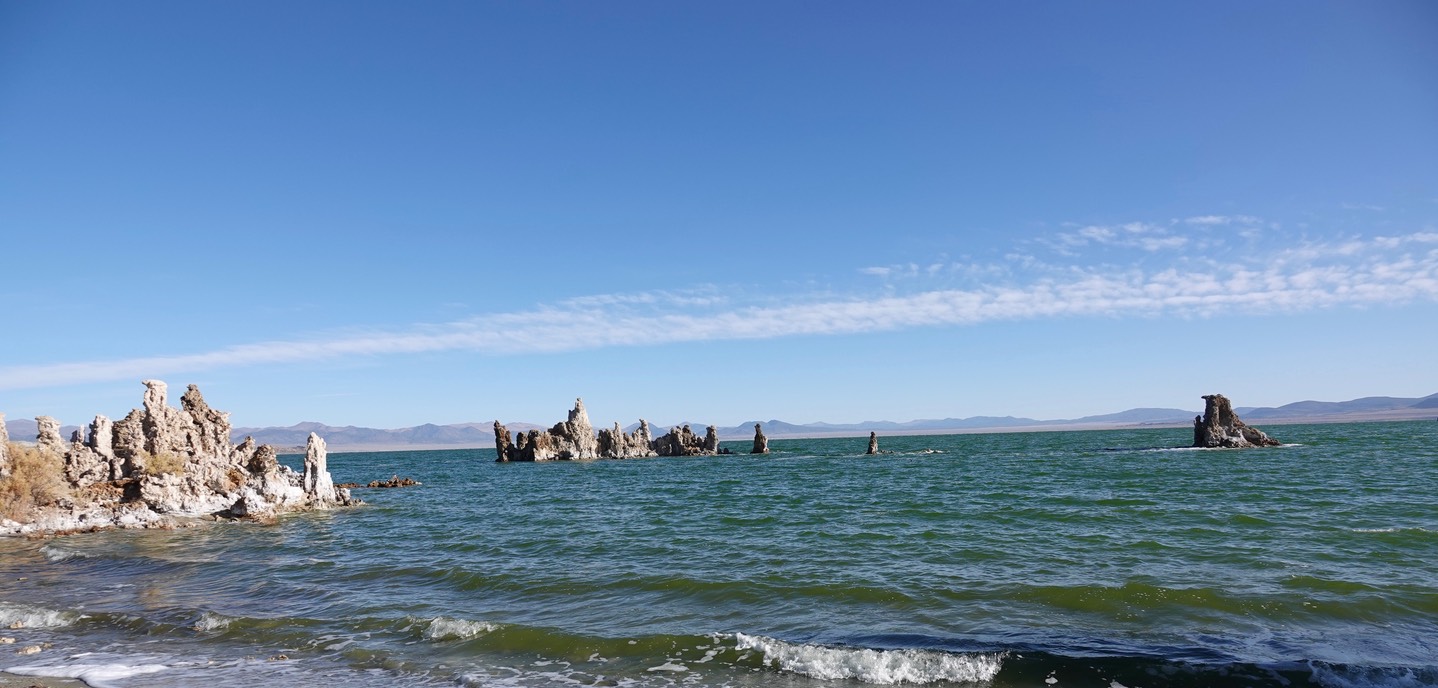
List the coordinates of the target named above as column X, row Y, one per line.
column 37, row 478
column 164, row 463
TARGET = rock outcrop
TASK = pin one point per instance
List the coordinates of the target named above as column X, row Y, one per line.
column 614, row 443
column 873, row 443
column 396, row 481
column 159, row 462
column 47, row 435
column 761, row 443
column 683, row 442
column 319, row 487
column 575, row 439
column 4, row 448
column 1219, row 426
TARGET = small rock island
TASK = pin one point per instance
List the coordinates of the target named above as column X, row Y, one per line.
column 575, row 440
column 149, row 468
column 1219, row 426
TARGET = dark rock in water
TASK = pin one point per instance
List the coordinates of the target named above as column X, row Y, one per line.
column 761, row 443
column 395, row 481
column 503, row 444
column 873, row 443
column 1219, row 426
column 575, row 439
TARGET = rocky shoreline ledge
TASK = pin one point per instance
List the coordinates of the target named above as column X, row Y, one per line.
column 156, row 467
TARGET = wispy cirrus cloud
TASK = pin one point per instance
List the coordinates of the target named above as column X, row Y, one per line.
column 1305, row 276
column 1144, row 236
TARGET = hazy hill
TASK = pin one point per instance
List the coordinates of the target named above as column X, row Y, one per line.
column 1366, row 405
column 459, row 435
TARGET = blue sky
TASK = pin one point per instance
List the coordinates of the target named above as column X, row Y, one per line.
column 386, row 214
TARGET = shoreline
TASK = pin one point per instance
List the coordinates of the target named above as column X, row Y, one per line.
column 7, row 680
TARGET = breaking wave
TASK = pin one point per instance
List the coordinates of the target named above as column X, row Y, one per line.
column 24, row 616
column 873, row 666
column 446, row 628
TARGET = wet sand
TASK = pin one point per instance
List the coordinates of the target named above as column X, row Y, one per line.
column 14, row 681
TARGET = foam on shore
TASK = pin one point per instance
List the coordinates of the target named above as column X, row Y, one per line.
column 98, row 675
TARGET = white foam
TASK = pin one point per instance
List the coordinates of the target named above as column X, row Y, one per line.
column 210, row 621
column 35, row 617
column 57, row 554
column 94, row 675
column 670, row 665
column 873, row 666
column 445, row 628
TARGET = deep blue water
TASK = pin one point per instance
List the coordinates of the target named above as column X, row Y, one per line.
column 1067, row 558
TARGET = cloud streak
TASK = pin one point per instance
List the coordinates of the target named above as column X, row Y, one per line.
column 1310, row 276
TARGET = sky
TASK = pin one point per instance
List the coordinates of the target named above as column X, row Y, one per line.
column 386, row 214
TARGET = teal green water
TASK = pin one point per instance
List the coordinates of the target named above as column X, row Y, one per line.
column 1066, row 558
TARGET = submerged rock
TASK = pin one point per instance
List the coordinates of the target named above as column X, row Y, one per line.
column 761, row 443
column 1219, row 426
column 575, row 439
column 160, row 462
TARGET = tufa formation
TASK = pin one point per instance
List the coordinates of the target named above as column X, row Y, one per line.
column 575, row 439
column 1219, row 426
column 761, row 443
column 153, row 465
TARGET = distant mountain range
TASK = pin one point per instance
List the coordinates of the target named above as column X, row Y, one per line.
column 460, row 435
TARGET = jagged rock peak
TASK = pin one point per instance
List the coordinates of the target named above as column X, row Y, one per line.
column 761, row 443
column 162, row 462
column 47, row 435
column 575, row 439
column 1219, row 426
column 503, row 444
column 319, row 487
column 156, row 395
column 578, row 416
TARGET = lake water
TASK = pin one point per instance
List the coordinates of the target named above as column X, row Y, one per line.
column 1102, row 558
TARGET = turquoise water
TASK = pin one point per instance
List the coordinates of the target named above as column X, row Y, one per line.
column 1036, row 559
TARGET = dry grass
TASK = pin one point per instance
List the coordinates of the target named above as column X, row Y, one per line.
column 164, row 463
column 37, row 479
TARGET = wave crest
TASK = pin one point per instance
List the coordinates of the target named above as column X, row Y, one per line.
column 874, row 666
column 24, row 616
column 446, row 628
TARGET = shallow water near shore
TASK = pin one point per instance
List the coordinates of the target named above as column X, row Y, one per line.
column 1095, row 558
